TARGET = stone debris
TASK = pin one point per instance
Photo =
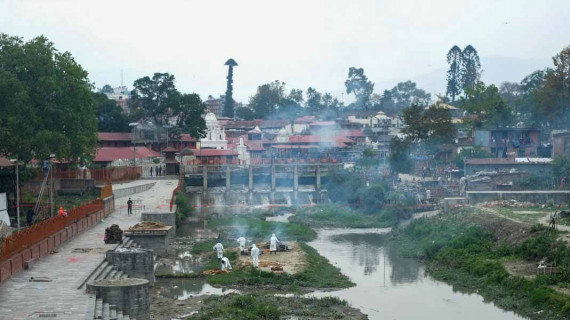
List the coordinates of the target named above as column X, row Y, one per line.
column 113, row 234
column 509, row 203
column 147, row 225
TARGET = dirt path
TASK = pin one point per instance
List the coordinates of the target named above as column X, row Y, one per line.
column 544, row 221
column 292, row 261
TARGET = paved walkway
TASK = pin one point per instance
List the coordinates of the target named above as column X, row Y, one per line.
column 65, row 270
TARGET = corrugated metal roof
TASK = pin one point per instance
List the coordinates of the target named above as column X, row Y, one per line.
column 492, row 161
column 115, row 136
column 115, row 153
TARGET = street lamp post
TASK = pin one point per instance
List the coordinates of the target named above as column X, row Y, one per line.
column 17, row 192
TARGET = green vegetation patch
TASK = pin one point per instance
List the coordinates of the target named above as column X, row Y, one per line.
column 258, row 306
column 463, row 250
column 333, row 216
column 257, row 228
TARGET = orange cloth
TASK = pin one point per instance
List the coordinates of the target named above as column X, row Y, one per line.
column 61, row 212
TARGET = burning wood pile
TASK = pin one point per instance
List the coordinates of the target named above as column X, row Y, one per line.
column 113, row 234
column 147, row 225
column 281, row 246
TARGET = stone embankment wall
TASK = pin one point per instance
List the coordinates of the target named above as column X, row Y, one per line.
column 125, row 192
column 538, row 197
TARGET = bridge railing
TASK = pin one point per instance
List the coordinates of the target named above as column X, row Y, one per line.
column 26, row 238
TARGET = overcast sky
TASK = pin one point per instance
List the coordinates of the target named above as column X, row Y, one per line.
column 302, row 42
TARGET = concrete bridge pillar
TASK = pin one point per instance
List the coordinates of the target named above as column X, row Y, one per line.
column 205, row 178
column 295, row 178
column 318, row 176
column 228, row 179
column 250, row 178
column 272, row 177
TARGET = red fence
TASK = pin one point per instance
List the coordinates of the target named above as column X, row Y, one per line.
column 26, row 238
column 101, row 175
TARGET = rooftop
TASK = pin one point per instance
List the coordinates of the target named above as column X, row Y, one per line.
column 115, row 153
column 515, row 161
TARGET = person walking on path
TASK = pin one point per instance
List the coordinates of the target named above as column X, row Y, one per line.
column 130, row 206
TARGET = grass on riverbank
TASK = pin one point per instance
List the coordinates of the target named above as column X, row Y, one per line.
column 318, row 273
column 257, row 229
column 333, row 216
column 270, row 307
column 467, row 248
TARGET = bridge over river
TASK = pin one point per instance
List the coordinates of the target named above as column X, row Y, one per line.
column 265, row 184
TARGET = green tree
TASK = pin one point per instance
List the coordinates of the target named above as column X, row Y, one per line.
column 107, row 89
column 314, row 100
column 296, row 95
column 486, row 105
column 400, row 155
column 455, row 61
column 268, row 98
column 403, row 95
column 358, row 84
column 46, row 103
column 554, row 95
column 244, row 113
column 110, row 115
column 189, row 116
column 229, row 103
column 372, row 198
column 471, row 68
column 155, row 98
column 432, row 126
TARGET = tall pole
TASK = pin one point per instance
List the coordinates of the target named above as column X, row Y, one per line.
column 18, row 195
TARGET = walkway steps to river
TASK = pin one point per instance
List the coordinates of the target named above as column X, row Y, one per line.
column 63, row 272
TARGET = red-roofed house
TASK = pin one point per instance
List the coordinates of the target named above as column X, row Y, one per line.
column 120, row 156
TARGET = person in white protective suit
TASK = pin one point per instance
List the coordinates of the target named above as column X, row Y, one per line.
column 273, row 244
column 219, row 249
column 241, row 241
column 255, row 255
column 226, row 266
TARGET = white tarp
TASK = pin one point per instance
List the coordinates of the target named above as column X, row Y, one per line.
column 4, row 209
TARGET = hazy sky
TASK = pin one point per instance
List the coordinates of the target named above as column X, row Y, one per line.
column 304, row 43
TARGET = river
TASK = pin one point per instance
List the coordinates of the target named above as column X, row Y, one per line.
column 387, row 286
column 391, row 287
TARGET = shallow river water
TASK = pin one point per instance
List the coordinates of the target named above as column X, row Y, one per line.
column 391, row 287
column 387, row 286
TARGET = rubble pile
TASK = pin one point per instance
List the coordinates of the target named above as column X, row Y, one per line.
column 113, row 234
column 509, row 203
column 147, row 225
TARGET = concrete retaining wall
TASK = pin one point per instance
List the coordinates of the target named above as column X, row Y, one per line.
column 125, row 192
column 130, row 295
column 17, row 262
column 156, row 240
column 539, row 197
column 135, row 262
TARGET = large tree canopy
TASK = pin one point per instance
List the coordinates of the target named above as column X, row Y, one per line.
column 454, row 78
column 486, row 106
column 403, row 95
column 159, row 101
column 358, row 84
column 46, row 105
column 110, row 115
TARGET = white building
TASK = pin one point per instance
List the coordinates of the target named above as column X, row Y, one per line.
column 215, row 135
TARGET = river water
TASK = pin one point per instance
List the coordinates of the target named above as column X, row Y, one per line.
column 391, row 287
column 387, row 286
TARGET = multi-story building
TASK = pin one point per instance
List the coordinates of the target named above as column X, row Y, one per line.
column 121, row 95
